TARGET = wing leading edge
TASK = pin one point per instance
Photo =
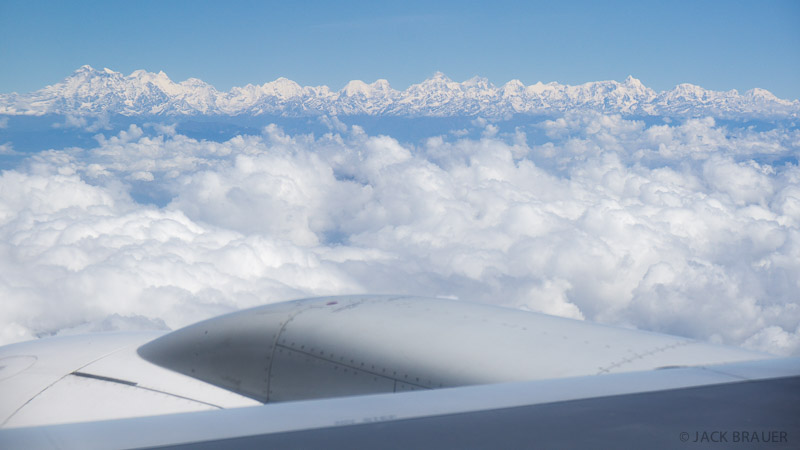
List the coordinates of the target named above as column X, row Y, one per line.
column 755, row 404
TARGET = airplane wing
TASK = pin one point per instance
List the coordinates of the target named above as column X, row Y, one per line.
column 393, row 372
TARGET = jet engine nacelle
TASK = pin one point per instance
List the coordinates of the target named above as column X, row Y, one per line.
column 339, row 346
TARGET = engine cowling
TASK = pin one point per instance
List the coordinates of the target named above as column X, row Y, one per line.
column 339, row 346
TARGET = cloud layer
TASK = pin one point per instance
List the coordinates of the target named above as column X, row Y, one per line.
column 690, row 228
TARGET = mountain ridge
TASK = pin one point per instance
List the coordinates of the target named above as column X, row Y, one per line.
column 89, row 91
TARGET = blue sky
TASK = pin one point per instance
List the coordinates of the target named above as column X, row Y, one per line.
column 717, row 44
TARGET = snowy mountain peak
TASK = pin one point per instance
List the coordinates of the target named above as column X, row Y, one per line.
column 381, row 85
column 439, row 76
column 633, row 82
column 438, row 81
column 159, row 79
column 540, row 88
column 84, row 69
column 689, row 89
column 513, row 88
column 761, row 94
column 477, row 81
column 358, row 87
column 195, row 82
column 86, row 72
column 283, row 88
column 91, row 91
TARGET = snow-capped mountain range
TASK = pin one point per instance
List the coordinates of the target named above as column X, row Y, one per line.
column 91, row 92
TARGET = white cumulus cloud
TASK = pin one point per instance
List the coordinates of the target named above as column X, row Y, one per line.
column 688, row 228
